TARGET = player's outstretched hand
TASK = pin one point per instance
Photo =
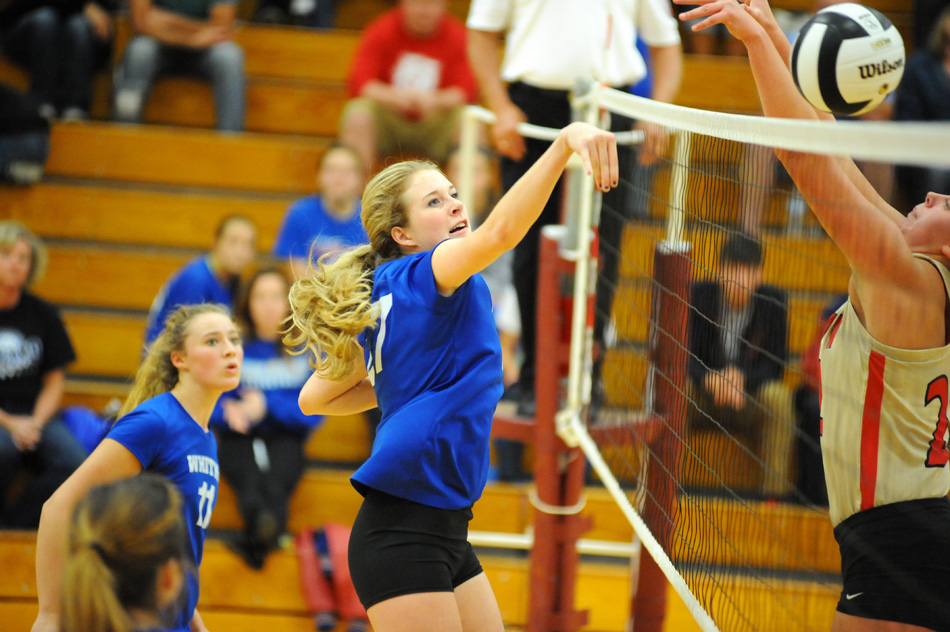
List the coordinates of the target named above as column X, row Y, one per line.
column 762, row 12
column 734, row 15
column 598, row 150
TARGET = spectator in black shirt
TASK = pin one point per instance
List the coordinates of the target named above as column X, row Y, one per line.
column 34, row 352
column 738, row 343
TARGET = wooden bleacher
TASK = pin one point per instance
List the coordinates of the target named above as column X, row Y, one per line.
column 124, row 206
column 234, row 595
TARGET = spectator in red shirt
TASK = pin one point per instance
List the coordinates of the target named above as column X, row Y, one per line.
column 409, row 80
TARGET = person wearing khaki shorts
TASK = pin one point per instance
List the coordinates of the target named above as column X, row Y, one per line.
column 409, row 81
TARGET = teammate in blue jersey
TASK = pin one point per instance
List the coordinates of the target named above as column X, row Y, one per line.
column 128, row 558
column 260, row 429
column 162, row 428
column 210, row 278
column 406, row 321
column 327, row 222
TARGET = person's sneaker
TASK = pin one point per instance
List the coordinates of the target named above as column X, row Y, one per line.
column 266, row 528
column 74, row 114
column 239, row 544
column 127, row 106
column 47, row 111
column 357, row 625
column 271, row 15
column 23, row 172
column 325, row 621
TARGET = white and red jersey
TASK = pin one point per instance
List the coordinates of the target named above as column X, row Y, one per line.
column 884, row 417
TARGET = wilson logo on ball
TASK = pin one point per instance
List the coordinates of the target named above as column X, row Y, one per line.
column 873, row 70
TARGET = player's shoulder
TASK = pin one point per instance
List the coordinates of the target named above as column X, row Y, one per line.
column 36, row 306
column 403, row 264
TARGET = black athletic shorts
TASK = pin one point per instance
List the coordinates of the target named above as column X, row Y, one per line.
column 895, row 562
column 399, row 547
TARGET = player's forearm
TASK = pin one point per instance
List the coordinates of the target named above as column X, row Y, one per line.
column 51, row 553
column 357, row 399
column 521, row 206
column 50, row 397
column 163, row 25
column 449, row 98
column 380, row 92
column 352, row 394
column 667, row 71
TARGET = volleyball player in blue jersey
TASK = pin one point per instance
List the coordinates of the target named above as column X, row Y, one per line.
column 406, row 321
column 162, row 428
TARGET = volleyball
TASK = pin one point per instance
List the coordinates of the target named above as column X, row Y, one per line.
column 847, row 59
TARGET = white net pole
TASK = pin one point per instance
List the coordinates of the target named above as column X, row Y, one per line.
column 574, row 433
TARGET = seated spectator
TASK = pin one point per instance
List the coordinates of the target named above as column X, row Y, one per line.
column 34, row 353
column 738, row 350
column 309, row 13
column 261, row 431
column 923, row 95
column 183, row 37
column 328, row 221
column 24, row 137
column 409, row 80
column 127, row 561
column 61, row 43
column 211, row 278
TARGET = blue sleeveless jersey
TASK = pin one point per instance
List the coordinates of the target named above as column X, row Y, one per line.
column 166, row 440
column 435, row 362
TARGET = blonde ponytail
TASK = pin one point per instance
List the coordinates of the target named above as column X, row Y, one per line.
column 157, row 374
column 331, row 306
column 120, row 535
column 91, row 602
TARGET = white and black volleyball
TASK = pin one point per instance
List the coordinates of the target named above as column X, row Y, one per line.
column 847, row 59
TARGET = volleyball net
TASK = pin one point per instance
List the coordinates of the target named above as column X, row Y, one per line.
column 692, row 388
column 695, row 397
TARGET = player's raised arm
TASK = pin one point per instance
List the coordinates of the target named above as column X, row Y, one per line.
column 762, row 12
column 455, row 260
column 840, row 206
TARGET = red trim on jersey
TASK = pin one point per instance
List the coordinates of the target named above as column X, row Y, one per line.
column 833, row 324
column 871, row 428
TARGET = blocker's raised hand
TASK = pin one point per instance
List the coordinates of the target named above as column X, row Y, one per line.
column 598, row 149
column 733, row 14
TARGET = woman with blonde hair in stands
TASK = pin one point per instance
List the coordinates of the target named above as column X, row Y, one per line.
column 34, row 352
column 162, row 428
column 884, row 360
column 127, row 560
column 409, row 316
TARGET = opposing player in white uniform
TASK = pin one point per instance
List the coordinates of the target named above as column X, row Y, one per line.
column 884, row 364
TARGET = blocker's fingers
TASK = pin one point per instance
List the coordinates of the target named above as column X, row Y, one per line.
column 584, row 153
column 601, row 164
column 614, row 163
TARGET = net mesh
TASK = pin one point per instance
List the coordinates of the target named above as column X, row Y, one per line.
column 723, row 464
